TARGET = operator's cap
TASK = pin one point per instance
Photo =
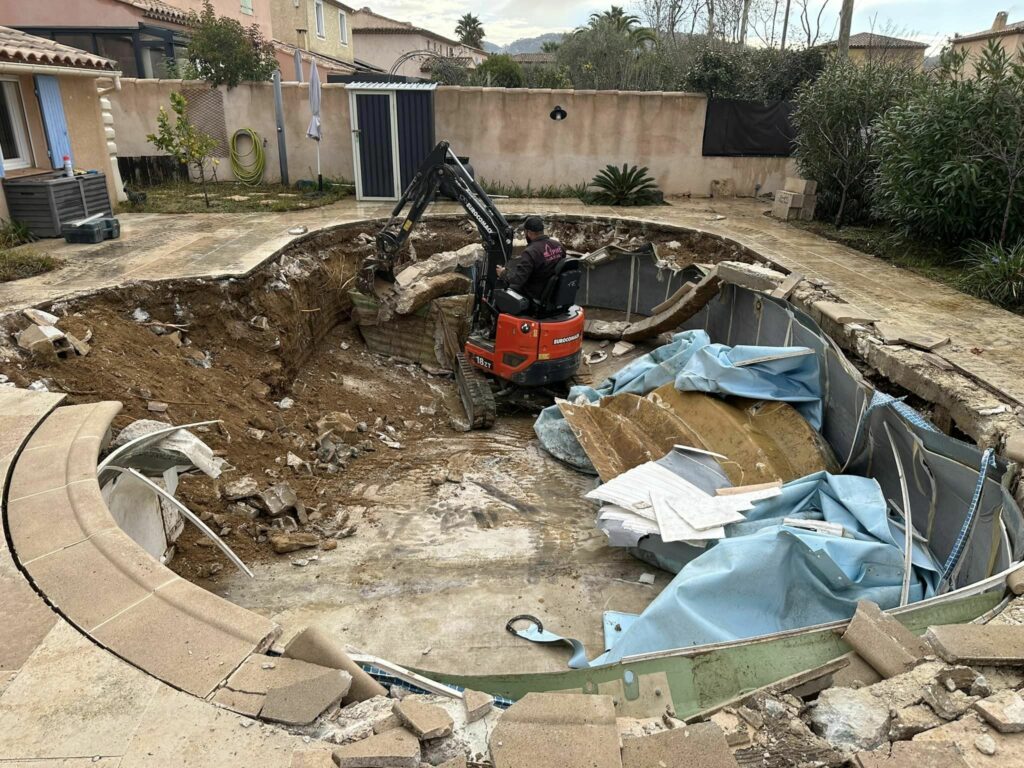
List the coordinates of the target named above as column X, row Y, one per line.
column 534, row 224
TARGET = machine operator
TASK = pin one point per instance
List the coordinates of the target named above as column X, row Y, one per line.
column 529, row 272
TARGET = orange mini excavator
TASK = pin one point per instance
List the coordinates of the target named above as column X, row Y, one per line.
column 521, row 342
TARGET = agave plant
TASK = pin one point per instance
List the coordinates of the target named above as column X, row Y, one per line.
column 628, row 185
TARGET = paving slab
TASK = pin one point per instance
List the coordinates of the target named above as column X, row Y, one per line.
column 425, row 720
column 1004, row 711
column 72, row 699
column 557, row 730
column 260, row 673
column 186, row 636
column 915, row 755
column 978, row 643
column 1009, row 747
column 303, row 702
column 397, row 748
column 248, row 704
column 477, row 704
column 703, row 744
column 316, row 646
column 883, row 642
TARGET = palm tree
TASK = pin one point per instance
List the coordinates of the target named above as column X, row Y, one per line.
column 617, row 20
column 470, row 31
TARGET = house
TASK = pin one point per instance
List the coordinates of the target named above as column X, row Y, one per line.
column 868, row 46
column 51, row 106
column 317, row 29
column 409, row 50
column 1009, row 36
column 141, row 36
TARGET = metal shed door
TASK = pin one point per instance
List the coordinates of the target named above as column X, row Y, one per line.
column 415, row 131
column 375, row 141
column 56, row 127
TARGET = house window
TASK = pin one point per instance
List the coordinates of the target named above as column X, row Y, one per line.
column 13, row 133
column 343, row 27
column 247, row 7
column 319, row 9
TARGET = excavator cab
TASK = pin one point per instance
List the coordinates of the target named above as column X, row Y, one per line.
column 521, row 341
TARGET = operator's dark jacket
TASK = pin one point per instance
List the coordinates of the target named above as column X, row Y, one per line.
column 529, row 272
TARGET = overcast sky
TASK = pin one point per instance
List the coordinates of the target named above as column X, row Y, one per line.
column 930, row 21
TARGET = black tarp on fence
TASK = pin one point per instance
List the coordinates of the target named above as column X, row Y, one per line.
column 748, row 128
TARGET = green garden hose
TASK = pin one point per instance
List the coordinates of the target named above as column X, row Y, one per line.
column 248, row 168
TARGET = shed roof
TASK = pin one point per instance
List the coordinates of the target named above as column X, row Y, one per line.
column 17, row 47
column 391, row 86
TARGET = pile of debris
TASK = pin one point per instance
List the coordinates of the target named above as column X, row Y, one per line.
column 44, row 337
column 951, row 698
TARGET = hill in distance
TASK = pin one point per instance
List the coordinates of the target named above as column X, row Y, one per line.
column 525, row 44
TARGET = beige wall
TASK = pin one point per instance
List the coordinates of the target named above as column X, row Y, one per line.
column 912, row 57
column 507, row 133
column 1011, row 43
column 233, row 10
column 509, row 137
column 250, row 105
column 69, row 13
column 287, row 18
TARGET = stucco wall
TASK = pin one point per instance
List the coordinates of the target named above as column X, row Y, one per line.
column 287, row 18
column 1011, row 43
column 509, row 136
column 250, row 105
column 507, row 133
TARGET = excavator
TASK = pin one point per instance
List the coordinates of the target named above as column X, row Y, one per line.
column 519, row 342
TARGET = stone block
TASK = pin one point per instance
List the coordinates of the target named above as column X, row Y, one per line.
column 789, row 199
column 702, row 744
column 883, row 642
column 1004, row 711
column 303, row 702
column 782, row 210
column 800, row 186
column 947, row 704
column 477, row 704
column 317, row 647
column 425, row 720
column 971, row 644
column 851, row 720
column 808, row 208
column 260, row 673
column 557, row 730
column 396, row 748
column 842, row 313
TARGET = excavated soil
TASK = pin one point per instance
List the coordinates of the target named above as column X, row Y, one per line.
column 453, row 532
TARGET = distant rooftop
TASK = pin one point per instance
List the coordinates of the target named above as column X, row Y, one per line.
column 17, row 47
column 873, row 41
column 999, row 28
column 159, row 10
column 396, row 27
column 534, row 58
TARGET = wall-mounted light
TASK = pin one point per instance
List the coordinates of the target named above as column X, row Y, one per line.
column 558, row 113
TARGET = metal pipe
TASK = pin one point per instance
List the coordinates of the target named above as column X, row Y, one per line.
column 282, row 149
column 193, row 518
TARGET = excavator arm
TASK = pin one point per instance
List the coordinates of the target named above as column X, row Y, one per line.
column 443, row 173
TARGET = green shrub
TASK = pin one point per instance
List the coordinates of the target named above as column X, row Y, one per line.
column 835, row 120
column 951, row 159
column 189, row 145
column 996, row 273
column 500, row 71
column 629, row 185
column 14, row 233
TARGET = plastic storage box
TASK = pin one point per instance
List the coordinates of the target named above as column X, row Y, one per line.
column 45, row 202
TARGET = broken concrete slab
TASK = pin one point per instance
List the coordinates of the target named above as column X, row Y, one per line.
column 303, row 702
column 358, row 720
column 317, row 647
column 910, row 721
column 248, row 704
column 752, row 276
column 787, row 286
column 856, row 674
column 557, row 730
column 477, row 704
column 284, row 542
column 425, row 720
column 387, row 724
column 1004, row 711
column 947, row 704
column 396, row 748
column 702, row 744
column 892, row 333
column 689, row 305
column 909, row 754
column 965, row 733
column 883, row 642
column 278, row 499
column 456, row 762
column 39, row 317
column 978, row 643
column 423, row 292
column 260, row 673
column 604, row 329
column 842, row 313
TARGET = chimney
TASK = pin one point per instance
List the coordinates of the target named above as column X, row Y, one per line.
column 1000, row 23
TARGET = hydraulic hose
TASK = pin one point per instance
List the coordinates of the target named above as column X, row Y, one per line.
column 248, row 168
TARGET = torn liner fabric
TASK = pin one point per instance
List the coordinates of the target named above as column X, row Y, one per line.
column 693, row 363
column 767, row 577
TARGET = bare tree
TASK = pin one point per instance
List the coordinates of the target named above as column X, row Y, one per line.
column 785, row 26
column 810, row 22
column 744, row 22
column 845, row 22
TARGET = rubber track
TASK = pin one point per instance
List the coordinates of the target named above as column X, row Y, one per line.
column 477, row 397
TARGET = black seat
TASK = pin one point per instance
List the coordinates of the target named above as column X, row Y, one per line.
column 560, row 292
